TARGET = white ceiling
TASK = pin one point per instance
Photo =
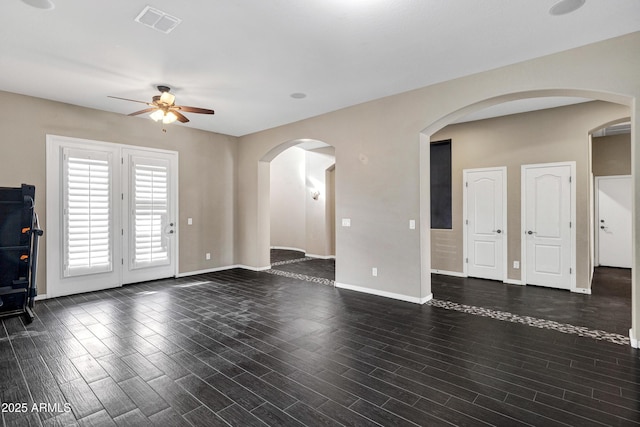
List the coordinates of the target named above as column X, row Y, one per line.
column 244, row 58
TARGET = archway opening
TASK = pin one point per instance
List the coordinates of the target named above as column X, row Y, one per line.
column 302, row 208
column 483, row 156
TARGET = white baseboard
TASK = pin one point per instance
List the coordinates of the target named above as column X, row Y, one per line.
column 581, row 291
column 513, row 282
column 448, row 273
column 320, row 256
column 385, row 294
column 287, row 248
column 40, row 297
column 632, row 341
column 246, row 267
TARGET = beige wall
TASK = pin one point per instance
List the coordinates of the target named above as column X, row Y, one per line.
column 318, row 235
column 546, row 136
column 288, row 221
column 206, row 169
column 611, row 155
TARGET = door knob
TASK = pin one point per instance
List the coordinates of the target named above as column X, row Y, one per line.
column 498, row 231
column 530, row 232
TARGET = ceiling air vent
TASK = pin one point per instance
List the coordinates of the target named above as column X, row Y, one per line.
column 157, row 19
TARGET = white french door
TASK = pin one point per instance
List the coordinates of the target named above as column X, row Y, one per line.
column 485, row 222
column 548, row 218
column 149, row 217
column 111, row 215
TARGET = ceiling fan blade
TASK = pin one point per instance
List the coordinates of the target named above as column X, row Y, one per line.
column 146, row 110
column 194, row 109
column 181, row 117
column 127, row 99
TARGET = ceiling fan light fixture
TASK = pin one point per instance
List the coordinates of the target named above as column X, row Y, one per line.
column 169, row 117
column 157, row 115
column 167, row 98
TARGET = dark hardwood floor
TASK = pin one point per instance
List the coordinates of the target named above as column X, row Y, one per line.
column 250, row 348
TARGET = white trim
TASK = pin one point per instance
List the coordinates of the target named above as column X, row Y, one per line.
column 513, row 282
column 448, row 273
column 40, row 297
column 320, row 256
column 246, row 267
column 523, row 241
column 385, row 294
column 632, row 341
column 585, row 291
column 287, row 248
column 505, row 262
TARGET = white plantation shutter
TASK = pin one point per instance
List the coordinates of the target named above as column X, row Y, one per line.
column 149, row 188
column 87, row 215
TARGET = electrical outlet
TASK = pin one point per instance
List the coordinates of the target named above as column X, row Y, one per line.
column 207, row 256
column 516, row 264
column 374, row 272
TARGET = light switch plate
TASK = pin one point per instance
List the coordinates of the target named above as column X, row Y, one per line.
column 346, row 222
column 412, row 224
column 189, row 221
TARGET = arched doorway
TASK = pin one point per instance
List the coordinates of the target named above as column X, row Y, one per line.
column 301, row 176
column 425, row 138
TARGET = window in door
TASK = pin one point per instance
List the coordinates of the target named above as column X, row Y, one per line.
column 87, row 220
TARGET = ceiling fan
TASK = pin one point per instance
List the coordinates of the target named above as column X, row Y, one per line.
column 163, row 107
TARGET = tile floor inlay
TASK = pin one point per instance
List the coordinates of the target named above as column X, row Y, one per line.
column 532, row 321
column 291, row 261
column 299, row 276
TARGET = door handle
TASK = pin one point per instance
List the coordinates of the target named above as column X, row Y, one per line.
column 531, row 232
column 497, row 231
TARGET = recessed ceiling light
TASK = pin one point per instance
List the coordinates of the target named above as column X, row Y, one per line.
column 565, row 6
column 40, row 4
column 298, row 95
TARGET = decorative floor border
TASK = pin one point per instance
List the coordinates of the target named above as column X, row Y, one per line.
column 532, row 321
column 298, row 276
column 291, row 261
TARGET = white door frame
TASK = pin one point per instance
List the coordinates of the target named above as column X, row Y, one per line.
column 523, row 192
column 465, row 251
column 596, row 213
column 54, row 252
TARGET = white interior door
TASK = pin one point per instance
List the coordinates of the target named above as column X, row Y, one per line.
column 485, row 222
column 547, row 221
column 614, row 220
column 149, row 215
